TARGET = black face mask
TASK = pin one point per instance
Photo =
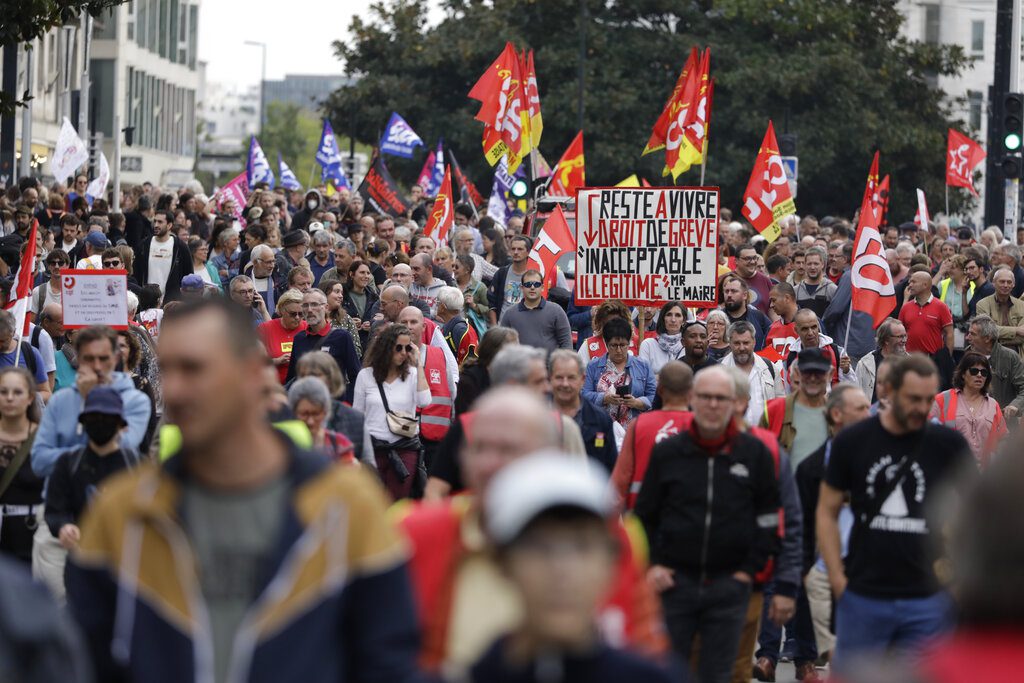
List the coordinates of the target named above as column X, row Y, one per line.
column 101, row 428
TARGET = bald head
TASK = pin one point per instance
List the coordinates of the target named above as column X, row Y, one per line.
column 395, row 292
column 675, row 380
column 51, row 319
column 401, row 274
column 412, row 318
column 508, row 422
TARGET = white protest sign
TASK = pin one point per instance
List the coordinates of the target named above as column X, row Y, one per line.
column 646, row 246
column 94, row 297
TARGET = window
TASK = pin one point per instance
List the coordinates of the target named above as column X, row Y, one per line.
column 975, row 105
column 142, row 22
column 931, row 24
column 978, row 37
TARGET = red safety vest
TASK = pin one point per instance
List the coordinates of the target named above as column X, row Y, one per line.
column 436, row 418
column 596, row 347
column 768, row 439
column 947, row 401
column 649, row 429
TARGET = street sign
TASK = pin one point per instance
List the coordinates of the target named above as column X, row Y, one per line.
column 792, row 166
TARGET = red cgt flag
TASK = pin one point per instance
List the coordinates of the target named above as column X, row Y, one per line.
column 871, row 281
column 962, row 156
column 768, row 198
column 442, row 216
column 500, row 92
column 871, row 189
column 553, row 240
column 657, row 139
column 570, row 172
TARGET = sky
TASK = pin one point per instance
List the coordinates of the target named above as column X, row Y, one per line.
column 297, row 34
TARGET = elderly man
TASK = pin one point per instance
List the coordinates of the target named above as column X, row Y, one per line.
column 345, row 252
column 294, row 245
column 269, row 280
column 706, row 594
column 566, row 375
column 460, row 335
column 442, row 376
column 320, row 336
column 425, row 286
column 1006, row 310
column 1008, row 256
column 463, row 243
column 1007, row 385
column 51, row 319
column 890, row 340
column 322, row 259
column 809, row 336
column 243, row 292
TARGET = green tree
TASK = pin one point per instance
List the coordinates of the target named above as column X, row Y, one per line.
column 839, row 72
column 25, row 20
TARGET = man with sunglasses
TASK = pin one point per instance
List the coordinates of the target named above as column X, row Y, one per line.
column 538, row 323
column 320, row 336
column 49, row 291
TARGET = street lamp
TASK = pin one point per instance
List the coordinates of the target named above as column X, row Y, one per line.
column 263, row 77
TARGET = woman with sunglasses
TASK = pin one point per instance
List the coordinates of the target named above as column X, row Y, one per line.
column 49, row 291
column 389, row 389
column 969, row 409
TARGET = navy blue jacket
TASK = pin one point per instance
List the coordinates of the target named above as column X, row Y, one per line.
column 598, row 435
column 339, row 344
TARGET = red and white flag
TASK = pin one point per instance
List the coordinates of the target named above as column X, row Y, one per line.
column 871, row 281
column 767, row 198
column 962, row 156
column 18, row 303
column 922, row 217
column 442, row 215
column 238, row 190
column 552, row 242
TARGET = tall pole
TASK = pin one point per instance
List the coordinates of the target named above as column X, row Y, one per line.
column 8, row 171
column 83, row 101
column 115, row 172
column 1012, row 188
column 25, row 168
column 67, row 34
column 583, row 64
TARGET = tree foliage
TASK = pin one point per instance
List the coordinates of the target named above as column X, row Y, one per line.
column 839, row 73
column 26, row 20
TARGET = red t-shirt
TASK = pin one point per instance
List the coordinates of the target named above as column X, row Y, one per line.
column 279, row 341
column 925, row 324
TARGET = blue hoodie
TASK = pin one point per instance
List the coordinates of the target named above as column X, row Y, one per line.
column 60, row 432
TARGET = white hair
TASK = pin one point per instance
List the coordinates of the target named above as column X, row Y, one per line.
column 905, row 248
column 261, row 250
column 451, row 298
column 133, row 303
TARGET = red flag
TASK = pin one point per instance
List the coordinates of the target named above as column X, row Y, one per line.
column 500, row 92
column 882, row 201
column 872, row 185
column 871, row 281
column 532, row 99
column 428, row 171
column 685, row 138
column 962, row 156
column 768, row 198
column 553, row 240
column 570, row 172
column 442, row 216
column 23, row 292
column 657, row 139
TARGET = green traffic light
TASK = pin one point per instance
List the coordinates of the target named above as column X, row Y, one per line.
column 520, row 187
column 1012, row 142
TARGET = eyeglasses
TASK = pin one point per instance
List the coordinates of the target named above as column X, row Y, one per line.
column 979, row 371
column 399, row 348
column 713, row 398
column 111, row 264
column 619, row 346
column 291, row 314
column 315, row 304
column 532, row 285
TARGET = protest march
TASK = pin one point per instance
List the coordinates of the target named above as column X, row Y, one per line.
column 368, row 429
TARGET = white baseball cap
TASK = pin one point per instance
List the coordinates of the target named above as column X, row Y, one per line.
column 527, row 487
column 314, row 226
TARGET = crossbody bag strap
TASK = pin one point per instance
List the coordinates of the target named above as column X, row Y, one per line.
column 383, row 397
column 17, row 461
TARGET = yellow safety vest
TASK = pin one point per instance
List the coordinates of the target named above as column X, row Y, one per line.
column 296, row 430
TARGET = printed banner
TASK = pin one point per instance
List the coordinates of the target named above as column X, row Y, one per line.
column 399, row 138
column 380, row 191
column 647, row 246
column 94, row 297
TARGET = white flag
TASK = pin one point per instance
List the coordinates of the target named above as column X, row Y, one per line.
column 923, row 217
column 69, row 154
column 99, row 184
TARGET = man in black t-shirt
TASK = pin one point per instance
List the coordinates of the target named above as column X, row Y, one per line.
column 896, row 467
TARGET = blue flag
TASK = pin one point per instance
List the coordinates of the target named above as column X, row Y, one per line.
column 434, row 183
column 257, row 168
column 329, row 158
column 497, row 206
column 288, row 179
column 399, row 138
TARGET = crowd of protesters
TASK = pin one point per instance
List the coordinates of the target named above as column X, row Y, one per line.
column 604, row 493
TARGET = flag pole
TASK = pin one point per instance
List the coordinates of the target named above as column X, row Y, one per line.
column 849, row 321
column 947, row 203
column 704, row 161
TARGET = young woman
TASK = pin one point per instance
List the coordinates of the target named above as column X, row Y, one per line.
column 201, row 265
column 337, row 316
column 969, row 409
column 310, row 401
column 376, row 252
column 668, row 345
column 21, row 491
column 360, row 298
column 388, row 391
column 495, row 252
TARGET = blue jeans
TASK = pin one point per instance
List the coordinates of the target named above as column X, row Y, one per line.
column 871, row 626
column 800, row 643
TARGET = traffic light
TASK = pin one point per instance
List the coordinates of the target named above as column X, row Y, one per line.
column 520, row 188
column 1013, row 134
